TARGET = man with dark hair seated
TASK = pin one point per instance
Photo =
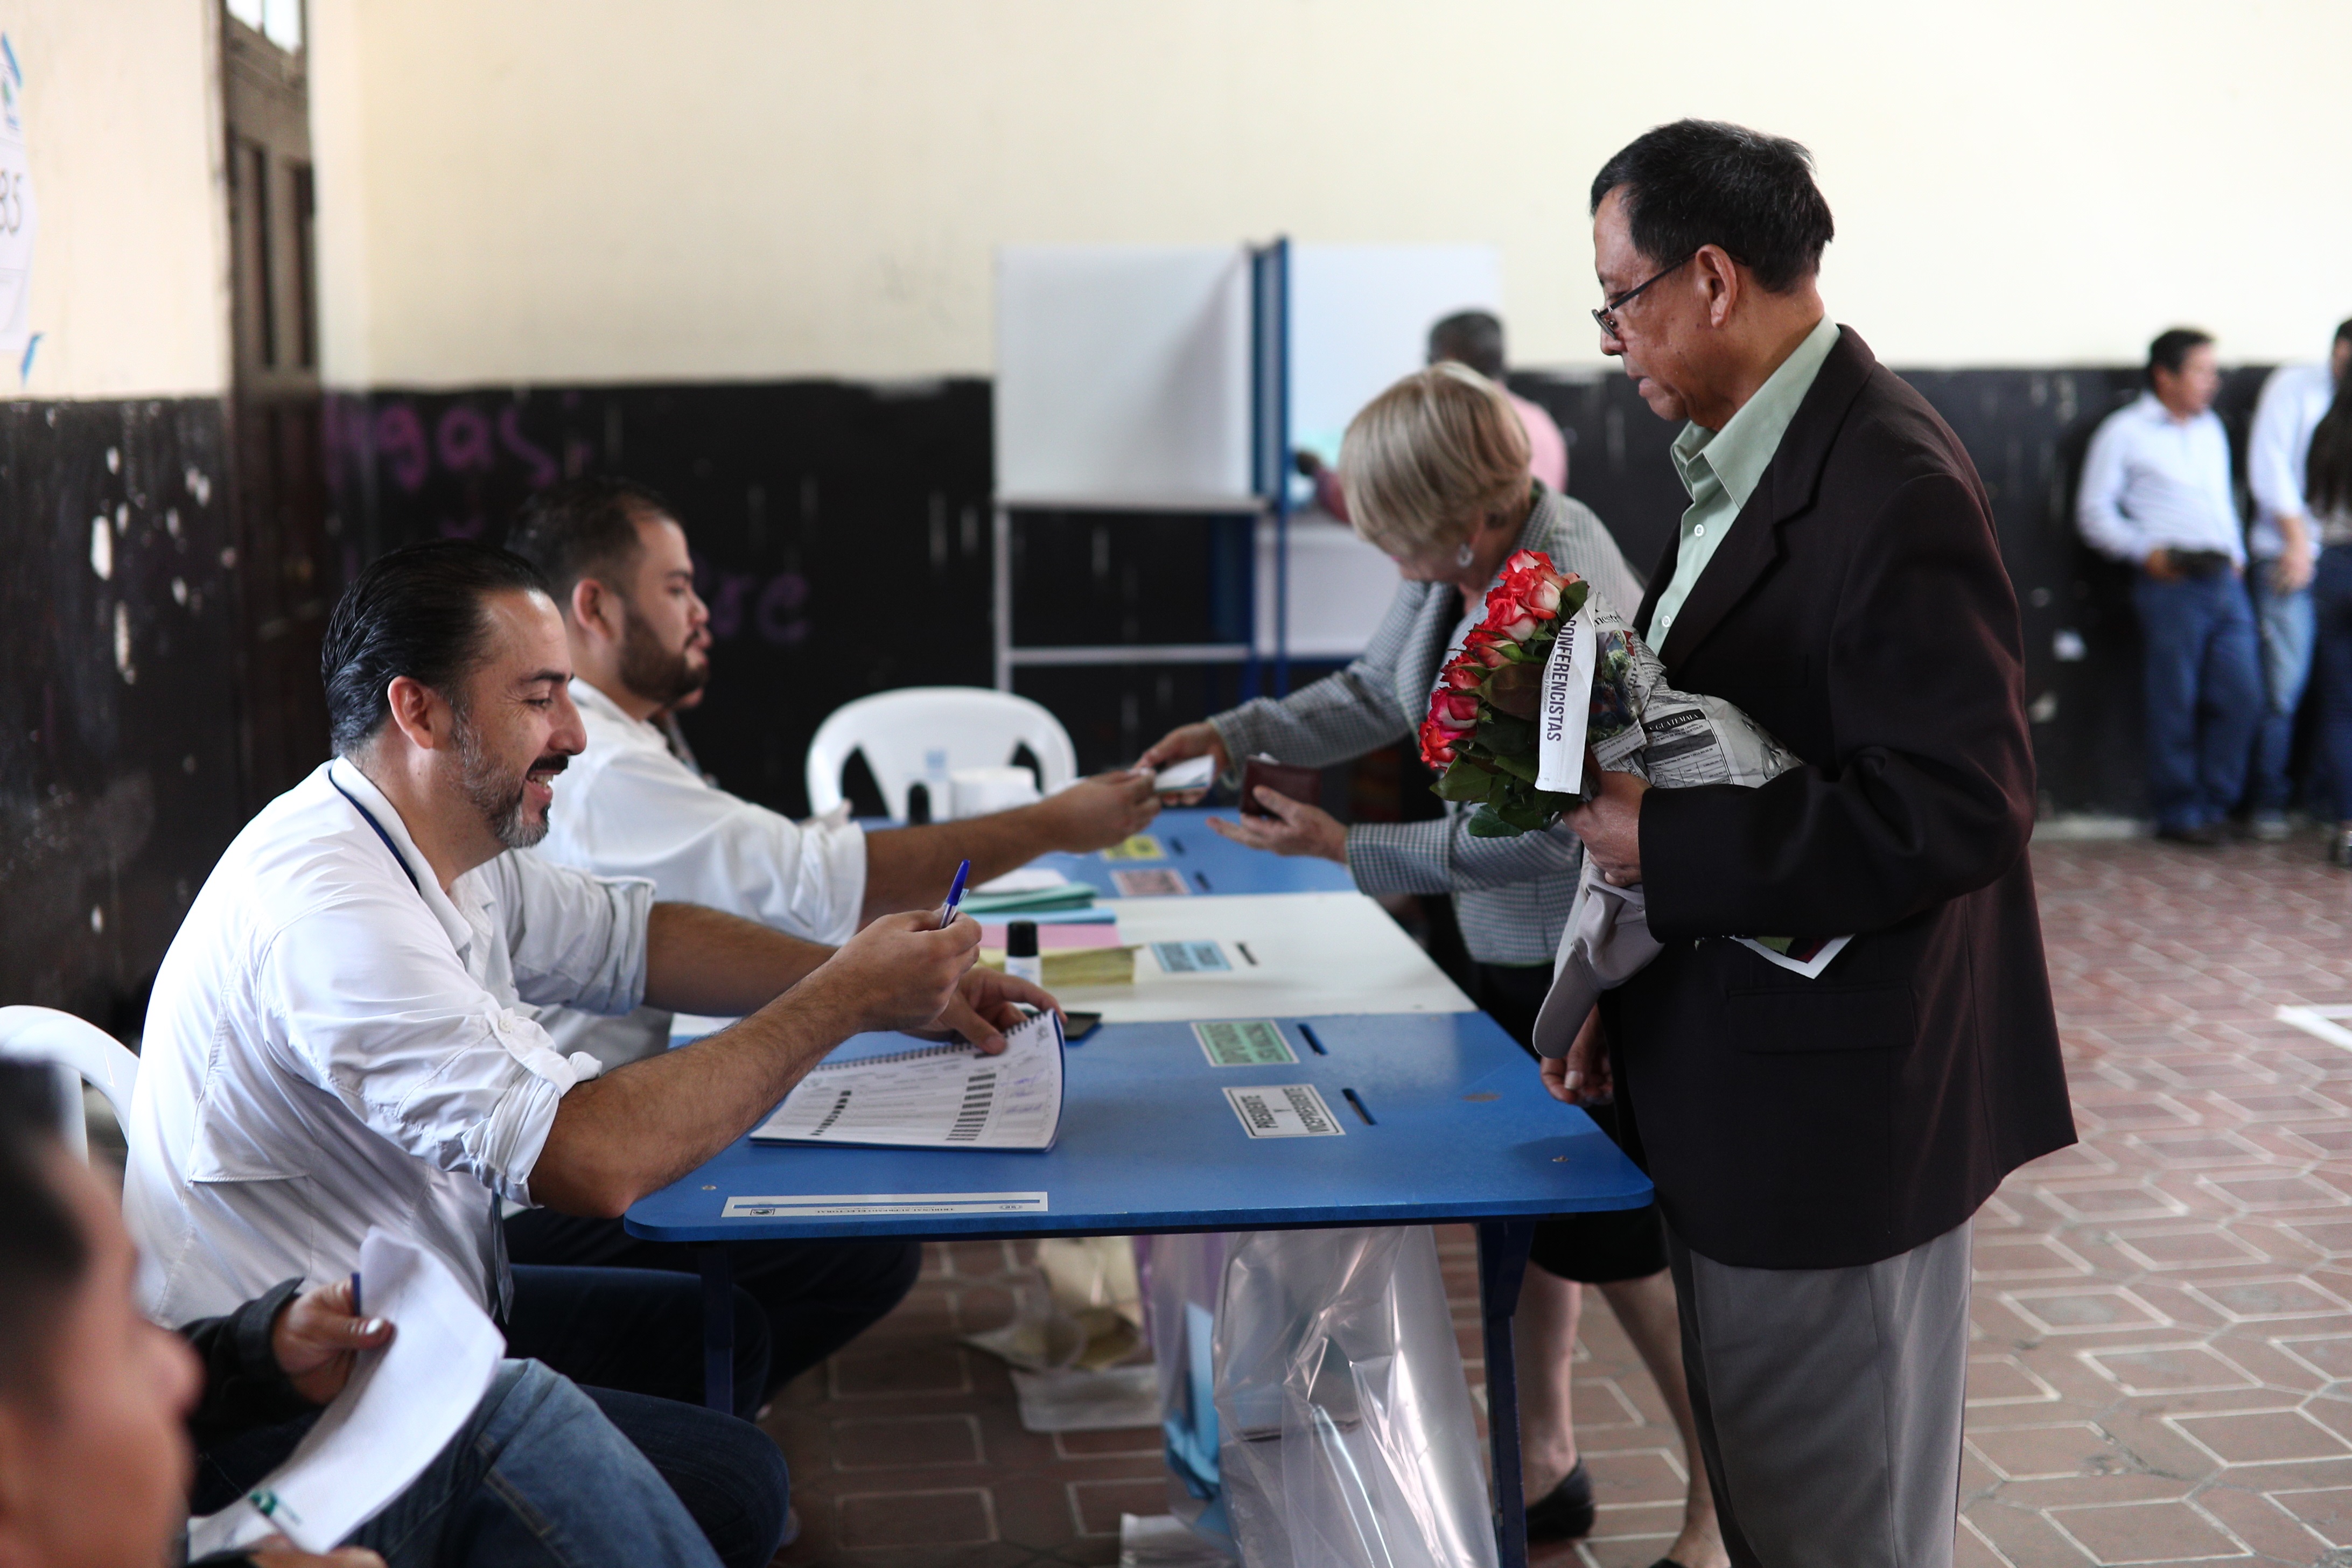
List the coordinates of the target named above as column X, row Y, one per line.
column 616, row 558
column 344, row 1031
column 97, row 1405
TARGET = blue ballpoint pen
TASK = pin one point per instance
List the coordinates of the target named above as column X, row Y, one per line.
column 955, row 896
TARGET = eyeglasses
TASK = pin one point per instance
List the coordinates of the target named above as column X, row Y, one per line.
column 1606, row 317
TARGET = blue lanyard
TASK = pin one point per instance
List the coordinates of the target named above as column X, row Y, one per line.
column 397, row 857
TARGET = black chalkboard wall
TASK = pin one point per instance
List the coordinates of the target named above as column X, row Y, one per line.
column 841, row 532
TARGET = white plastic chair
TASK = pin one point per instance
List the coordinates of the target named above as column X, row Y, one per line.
column 83, row 1053
column 920, row 734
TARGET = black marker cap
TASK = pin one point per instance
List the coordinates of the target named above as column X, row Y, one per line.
column 1021, row 940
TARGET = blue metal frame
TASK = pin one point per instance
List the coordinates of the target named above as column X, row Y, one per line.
column 1270, row 446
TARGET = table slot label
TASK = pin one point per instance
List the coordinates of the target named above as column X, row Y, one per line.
column 1284, row 1111
column 1191, row 958
column 843, row 1206
column 1244, row 1043
column 1158, row 882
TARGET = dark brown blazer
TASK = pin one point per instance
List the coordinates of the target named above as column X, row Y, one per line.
column 1860, row 611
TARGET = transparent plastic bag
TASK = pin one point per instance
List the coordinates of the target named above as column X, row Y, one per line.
column 1182, row 1278
column 1346, row 1436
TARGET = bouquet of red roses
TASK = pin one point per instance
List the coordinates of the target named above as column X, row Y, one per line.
column 1481, row 733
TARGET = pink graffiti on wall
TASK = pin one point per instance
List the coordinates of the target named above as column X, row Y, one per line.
column 390, row 437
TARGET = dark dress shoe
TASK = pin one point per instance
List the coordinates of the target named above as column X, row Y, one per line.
column 1565, row 1512
column 2204, row 836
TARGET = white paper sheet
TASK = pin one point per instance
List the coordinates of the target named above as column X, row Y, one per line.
column 399, row 1410
column 944, row 1097
column 1290, row 956
column 1811, row 968
column 1025, row 879
column 19, row 219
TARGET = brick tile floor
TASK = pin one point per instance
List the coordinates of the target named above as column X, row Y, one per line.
column 2162, row 1367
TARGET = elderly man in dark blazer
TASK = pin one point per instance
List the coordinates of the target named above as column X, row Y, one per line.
column 1819, row 1146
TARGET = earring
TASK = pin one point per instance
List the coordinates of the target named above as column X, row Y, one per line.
column 1464, row 556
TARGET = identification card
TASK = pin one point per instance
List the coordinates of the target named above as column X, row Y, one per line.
column 1284, row 1111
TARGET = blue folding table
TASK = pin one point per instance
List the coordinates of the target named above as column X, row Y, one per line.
column 1442, row 1118
column 1208, row 862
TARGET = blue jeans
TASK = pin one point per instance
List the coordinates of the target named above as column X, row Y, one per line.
column 2284, row 624
column 546, row 1474
column 796, row 1303
column 2204, row 695
column 2331, row 603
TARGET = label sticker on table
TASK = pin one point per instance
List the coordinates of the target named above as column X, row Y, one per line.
column 1284, row 1111
column 1157, row 882
column 1192, row 958
column 833, row 1205
column 1243, row 1043
column 1139, row 846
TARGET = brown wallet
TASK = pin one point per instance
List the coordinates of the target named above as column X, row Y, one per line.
column 1300, row 784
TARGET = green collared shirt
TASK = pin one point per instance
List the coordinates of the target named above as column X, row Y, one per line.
column 1721, row 469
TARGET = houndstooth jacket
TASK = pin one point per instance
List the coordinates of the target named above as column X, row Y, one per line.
column 1511, row 895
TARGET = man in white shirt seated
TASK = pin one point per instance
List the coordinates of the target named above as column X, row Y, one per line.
column 2156, row 493
column 2284, row 548
column 616, row 557
column 344, row 1034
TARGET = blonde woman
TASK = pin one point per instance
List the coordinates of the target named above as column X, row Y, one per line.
column 1435, row 475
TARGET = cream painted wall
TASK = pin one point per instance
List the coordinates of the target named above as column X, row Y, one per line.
column 122, row 128
column 611, row 190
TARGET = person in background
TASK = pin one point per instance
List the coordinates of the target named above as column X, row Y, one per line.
column 97, row 1408
column 615, row 556
column 2328, row 494
column 2156, row 495
column 1473, row 338
column 1819, row 1146
column 1436, row 475
column 2285, row 549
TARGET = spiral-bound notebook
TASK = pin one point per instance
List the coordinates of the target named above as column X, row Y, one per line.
column 942, row 1097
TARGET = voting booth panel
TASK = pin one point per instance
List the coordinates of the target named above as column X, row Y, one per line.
column 1123, row 375
column 1156, row 378
column 1359, row 318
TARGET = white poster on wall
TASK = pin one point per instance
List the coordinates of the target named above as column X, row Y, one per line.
column 18, row 216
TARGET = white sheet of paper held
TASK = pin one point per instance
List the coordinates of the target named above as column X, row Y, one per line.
column 399, row 1410
column 945, row 1097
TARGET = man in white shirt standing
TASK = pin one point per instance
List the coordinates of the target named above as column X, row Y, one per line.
column 2156, row 493
column 2283, row 551
column 344, row 1032
column 616, row 557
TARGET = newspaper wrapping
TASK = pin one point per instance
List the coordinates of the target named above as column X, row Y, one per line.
column 1673, row 740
